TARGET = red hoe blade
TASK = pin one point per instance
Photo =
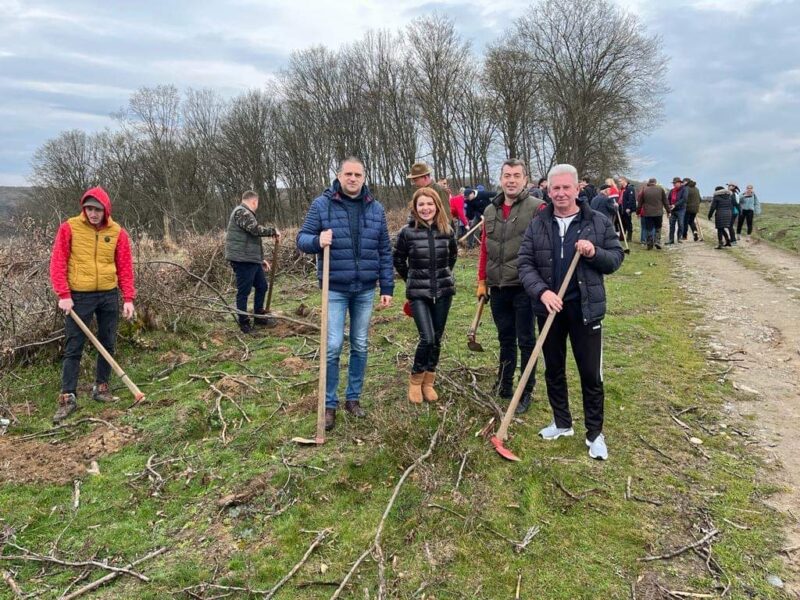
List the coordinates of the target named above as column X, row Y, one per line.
column 502, row 433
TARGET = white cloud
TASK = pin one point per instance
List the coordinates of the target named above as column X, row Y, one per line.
column 84, row 90
column 213, row 74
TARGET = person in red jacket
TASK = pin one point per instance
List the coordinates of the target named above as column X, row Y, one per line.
column 90, row 265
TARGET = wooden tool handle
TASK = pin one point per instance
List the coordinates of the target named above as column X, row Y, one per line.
column 502, row 433
column 109, row 359
column 323, row 345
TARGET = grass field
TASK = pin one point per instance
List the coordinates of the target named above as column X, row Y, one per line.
column 780, row 225
column 456, row 527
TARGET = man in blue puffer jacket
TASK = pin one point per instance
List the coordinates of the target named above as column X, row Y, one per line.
column 551, row 240
column 348, row 219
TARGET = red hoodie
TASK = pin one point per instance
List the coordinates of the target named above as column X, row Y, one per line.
column 62, row 250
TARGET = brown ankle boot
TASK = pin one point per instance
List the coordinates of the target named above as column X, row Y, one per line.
column 428, row 392
column 414, row 388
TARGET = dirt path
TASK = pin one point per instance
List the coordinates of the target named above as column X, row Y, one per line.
column 752, row 315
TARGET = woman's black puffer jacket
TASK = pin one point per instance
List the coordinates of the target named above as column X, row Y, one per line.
column 424, row 257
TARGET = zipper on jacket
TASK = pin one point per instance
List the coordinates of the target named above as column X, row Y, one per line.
column 96, row 266
column 432, row 269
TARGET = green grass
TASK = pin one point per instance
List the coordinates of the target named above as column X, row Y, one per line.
column 586, row 548
column 780, row 225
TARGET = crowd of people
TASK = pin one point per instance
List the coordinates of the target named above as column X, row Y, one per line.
column 527, row 234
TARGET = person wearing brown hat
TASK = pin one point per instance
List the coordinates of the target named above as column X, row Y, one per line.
column 421, row 176
column 677, row 216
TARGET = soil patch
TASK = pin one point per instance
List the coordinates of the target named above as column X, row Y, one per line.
column 294, row 365
column 38, row 461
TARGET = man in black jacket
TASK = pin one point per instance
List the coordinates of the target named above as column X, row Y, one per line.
column 550, row 242
column 244, row 251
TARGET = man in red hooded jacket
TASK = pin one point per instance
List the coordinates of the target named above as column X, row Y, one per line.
column 90, row 265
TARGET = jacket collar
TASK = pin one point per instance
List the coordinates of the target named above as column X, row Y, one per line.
column 501, row 197
column 334, row 192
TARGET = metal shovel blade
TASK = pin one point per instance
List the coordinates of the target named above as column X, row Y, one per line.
column 502, row 450
column 473, row 345
column 308, row 441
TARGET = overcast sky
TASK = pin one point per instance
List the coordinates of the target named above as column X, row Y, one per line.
column 733, row 112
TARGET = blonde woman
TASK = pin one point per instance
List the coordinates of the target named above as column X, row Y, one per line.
column 424, row 256
column 748, row 206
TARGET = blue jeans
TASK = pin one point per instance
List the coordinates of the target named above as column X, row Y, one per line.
column 679, row 217
column 359, row 305
column 643, row 230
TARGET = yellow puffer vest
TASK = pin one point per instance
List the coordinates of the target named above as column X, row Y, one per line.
column 91, row 266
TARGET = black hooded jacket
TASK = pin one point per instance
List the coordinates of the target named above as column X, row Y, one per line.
column 424, row 258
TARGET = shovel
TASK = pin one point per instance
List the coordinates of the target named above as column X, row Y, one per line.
column 470, row 231
column 137, row 394
column 502, row 433
column 471, row 343
column 622, row 232
column 272, row 275
column 323, row 353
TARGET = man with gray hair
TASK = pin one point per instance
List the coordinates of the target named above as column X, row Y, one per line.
column 505, row 221
column 548, row 247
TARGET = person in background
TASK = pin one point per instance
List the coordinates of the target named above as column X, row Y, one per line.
column 748, row 206
column 627, row 202
column 243, row 250
column 652, row 203
column 90, row 265
column 424, row 256
column 677, row 214
column 734, row 190
column 721, row 209
column 692, row 208
column 604, row 204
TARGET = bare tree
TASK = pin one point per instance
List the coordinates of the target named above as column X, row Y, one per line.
column 598, row 79
column 441, row 61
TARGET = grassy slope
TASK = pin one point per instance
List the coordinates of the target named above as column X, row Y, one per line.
column 586, row 548
column 779, row 224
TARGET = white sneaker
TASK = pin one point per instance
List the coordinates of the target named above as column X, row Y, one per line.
column 597, row 448
column 551, row 432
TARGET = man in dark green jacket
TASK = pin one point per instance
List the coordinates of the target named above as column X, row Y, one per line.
column 692, row 208
column 244, row 251
column 505, row 222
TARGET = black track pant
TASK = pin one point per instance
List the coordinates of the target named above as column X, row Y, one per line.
column 745, row 216
column 722, row 235
column 587, row 348
column 513, row 315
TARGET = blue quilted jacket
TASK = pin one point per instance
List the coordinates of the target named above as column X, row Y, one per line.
column 350, row 273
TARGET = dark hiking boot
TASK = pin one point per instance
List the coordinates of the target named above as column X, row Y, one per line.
column 245, row 326
column 330, row 418
column 524, row 404
column 354, row 408
column 67, row 404
column 262, row 320
column 696, row 237
column 101, row 393
column 502, row 390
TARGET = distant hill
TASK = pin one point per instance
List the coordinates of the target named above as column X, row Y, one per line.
column 11, row 197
